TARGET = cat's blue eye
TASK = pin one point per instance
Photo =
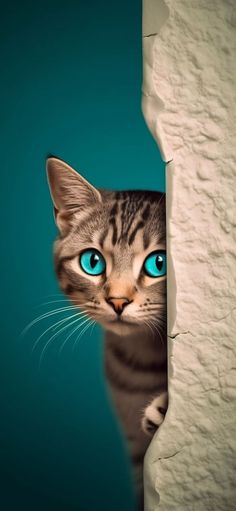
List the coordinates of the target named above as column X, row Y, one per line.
column 155, row 264
column 92, row 262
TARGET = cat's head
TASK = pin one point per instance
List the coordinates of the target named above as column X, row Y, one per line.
column 110, row 255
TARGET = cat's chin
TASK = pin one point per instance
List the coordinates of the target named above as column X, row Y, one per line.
column 122, row 328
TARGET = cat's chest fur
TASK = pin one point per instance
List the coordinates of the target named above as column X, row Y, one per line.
column 136, row 369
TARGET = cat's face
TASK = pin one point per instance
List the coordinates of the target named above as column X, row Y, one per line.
column 110, row 257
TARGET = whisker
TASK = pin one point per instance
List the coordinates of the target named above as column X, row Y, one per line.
column 157, row 303
column 161, row 322
column 155, row 325
column 47, row 315
column 149, row 326
column 74, row 330
column 68, row 300
column 80, row 313
column 55, row 301
column 64, row 300
column 159, row 333
column 153, row 318
column 53, row 337
column 55, row 325
column 93, row 325
column 83, row 331
column 157, row 319
column 64, row 342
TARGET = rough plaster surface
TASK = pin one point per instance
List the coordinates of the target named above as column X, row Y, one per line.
column 189, row 103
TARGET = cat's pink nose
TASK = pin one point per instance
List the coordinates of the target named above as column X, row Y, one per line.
column 118, row 304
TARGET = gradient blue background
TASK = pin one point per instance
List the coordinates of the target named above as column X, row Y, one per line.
column 71, row 76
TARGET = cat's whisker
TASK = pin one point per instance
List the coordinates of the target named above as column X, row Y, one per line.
column 159, row 336
column 55, row 335
column 157, row 303
column 78, row 303
column 153, row 317
column 73, row 347
column 44, row 316
column 73, row 331
column 60, row 295
column 96, row 315
column 64, row 342
column 82, row 332
column 161, row 319
column 155, row 325
column 150, row 328
column 55, row 301
column 47, row 315
column 93, row 325
column 56, row 325
column 81, row 314
column 154, row 309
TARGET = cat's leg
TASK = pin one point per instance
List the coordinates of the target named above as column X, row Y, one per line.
column 154, row 414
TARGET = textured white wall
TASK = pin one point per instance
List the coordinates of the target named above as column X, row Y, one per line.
column 189, row 103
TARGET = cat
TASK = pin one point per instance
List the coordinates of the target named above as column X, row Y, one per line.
column 110, row 259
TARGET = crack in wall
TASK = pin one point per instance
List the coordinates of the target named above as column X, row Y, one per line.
column 179, row 333
column 170, row 456
column 150, row 35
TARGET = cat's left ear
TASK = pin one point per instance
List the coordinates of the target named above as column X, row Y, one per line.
column 70, row 192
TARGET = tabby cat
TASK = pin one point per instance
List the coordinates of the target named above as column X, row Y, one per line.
column 110, row 260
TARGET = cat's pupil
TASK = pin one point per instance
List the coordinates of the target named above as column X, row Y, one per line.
column 93, row 260
column 159, row 262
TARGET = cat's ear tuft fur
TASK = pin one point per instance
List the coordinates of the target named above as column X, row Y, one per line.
column 69, row 190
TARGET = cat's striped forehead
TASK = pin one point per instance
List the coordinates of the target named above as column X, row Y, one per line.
column 126, row 221
column 131, row 219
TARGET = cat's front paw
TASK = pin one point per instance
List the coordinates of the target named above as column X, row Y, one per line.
column 154, row 414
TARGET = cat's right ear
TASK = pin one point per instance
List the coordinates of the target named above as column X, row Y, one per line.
column 70, row 192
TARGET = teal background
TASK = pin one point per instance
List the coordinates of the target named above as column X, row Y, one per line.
column 71, row 76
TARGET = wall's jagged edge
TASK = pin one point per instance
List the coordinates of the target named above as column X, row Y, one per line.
column 189, row 51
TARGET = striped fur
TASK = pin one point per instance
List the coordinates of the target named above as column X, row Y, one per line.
column 125, row 227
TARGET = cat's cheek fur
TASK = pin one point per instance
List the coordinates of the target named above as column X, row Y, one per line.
column 151, row 281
